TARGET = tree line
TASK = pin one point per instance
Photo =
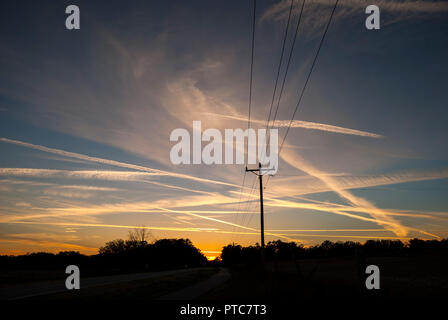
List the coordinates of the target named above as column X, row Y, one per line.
column 279, row 250
column 134, row 254
column 137, row 253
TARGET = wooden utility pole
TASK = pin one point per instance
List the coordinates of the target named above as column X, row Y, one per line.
column 259, row 173
column 260, row 177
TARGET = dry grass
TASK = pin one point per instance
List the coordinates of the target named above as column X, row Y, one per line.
column 417, row 277
column 135, row 290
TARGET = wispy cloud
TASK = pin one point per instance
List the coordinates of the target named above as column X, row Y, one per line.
column 160, row 205
column 107, row 175
column 165, row 205
column 349, row 211
column 381, row 217
column 326, row 230
column 251, row 231
column 113, row 162
column 87, row 188
column 82, row 191
column 144, row 85
column 77, row 191
column 301, row 185
column 358, row 204
column 69, row 194
column 306, row 125
column 23, row 204
column 21, row 182
column 399, row 10
column 39, row 236
column 48, row 246
column 338, row 183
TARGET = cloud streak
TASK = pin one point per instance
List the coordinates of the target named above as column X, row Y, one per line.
column 307, row 125
column 113, row 162
column 49, row 245
column 399, row 11
column 251, row 231
column 123, row 176
column 301, row 185
column 381, row 217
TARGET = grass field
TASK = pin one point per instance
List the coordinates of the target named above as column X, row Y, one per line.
column 417, row 277
column 135, row 290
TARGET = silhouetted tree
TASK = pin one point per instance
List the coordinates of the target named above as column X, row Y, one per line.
column 140, row 234
column 117, row 246
column 231, row 254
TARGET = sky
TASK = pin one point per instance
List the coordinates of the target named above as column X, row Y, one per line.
column 86, row 117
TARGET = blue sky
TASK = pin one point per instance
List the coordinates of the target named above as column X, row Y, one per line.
column 116, row 88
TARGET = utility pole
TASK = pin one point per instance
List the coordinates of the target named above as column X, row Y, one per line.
column 259, row 173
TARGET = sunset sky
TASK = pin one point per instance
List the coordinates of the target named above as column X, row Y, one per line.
column 86, row 116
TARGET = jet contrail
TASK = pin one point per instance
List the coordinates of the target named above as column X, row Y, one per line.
column 113, row 162
column 307, row 125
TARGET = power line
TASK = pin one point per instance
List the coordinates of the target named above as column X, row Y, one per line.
column 250, row 217
column 248, row 220
column 248, row 206
column 276, row 82
column 284, row 79
column 244, row 207
column 307, row 80
column 288, row 63
column 277, row 77
column 286, row 72
column 250, row 93
column 309, row 75
column 280, row 63
column 239, row 202
column 252, row 63
column 285, row 75
column 248, row 199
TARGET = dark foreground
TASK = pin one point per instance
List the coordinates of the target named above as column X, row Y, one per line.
column 417, row 277
column 283, row 290
column 413, row 277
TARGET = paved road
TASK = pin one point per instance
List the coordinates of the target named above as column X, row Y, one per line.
column 200, row 288
column 48, row 287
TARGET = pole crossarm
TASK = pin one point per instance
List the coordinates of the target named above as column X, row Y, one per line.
column 259, row 170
